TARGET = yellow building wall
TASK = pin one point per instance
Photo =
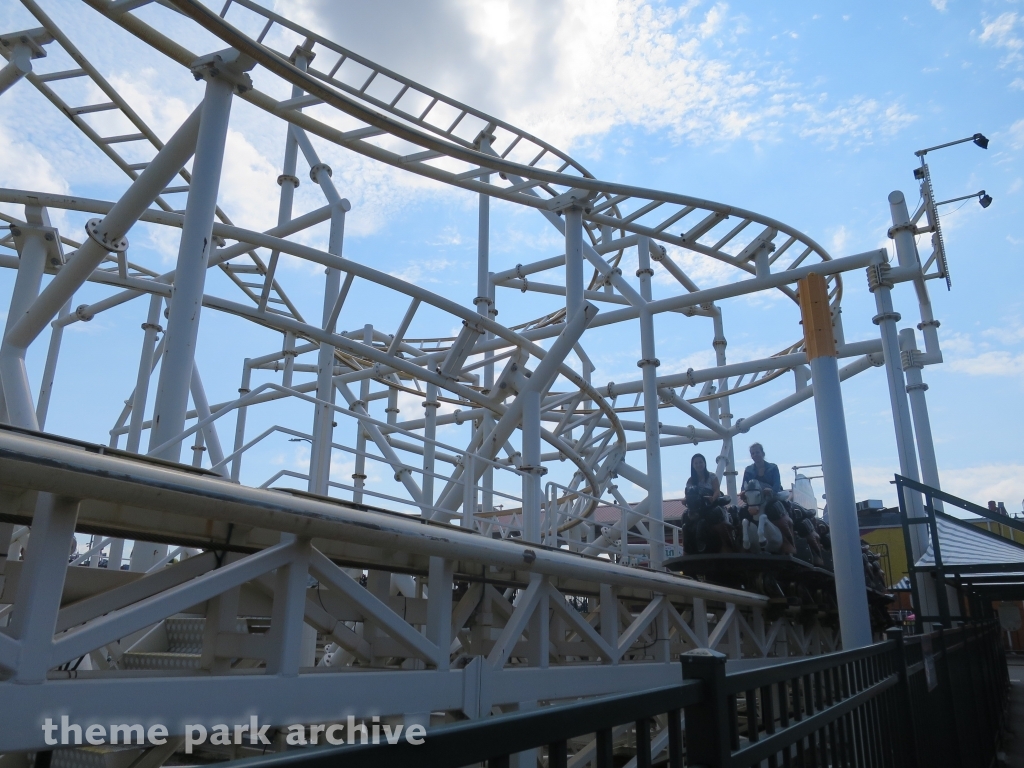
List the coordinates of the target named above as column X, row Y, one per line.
column 895, row 566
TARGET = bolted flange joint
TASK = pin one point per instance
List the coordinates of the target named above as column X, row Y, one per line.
column 922, row 386
column 82, row 313
column 154, row 326
column 314, row 172
column 881, row 317
column 115, row 245
column 285, row 177
column 896, row 229
column 648, row 361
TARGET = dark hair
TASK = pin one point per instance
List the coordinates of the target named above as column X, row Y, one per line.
column 693, row 472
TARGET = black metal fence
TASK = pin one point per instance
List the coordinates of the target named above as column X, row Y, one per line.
column 926, row 701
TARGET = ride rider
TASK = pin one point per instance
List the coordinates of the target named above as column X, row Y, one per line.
column 703, row 482
column 766, row 473
column 707, row 525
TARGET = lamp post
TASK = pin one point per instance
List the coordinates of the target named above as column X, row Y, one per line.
column 923, row 175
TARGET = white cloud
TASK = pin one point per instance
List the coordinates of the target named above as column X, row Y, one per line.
column 569, row 72
column 1003, row 32
column 1017, row 134
column 423, row 271
column 839, row 240
column 1000, row 482
column 940, row 5
column 859, row 120
column 23, row 166
column 992, row 363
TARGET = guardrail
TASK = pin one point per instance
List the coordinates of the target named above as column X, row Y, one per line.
column 928, row 700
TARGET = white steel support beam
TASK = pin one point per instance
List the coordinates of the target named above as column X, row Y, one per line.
column 903, row 236
column 32, row 253
column 886, row 319
column 288, row 182
column 649, row 363
column 50, row 367
column 532, row 468
column 41, row 585
column 323, row 425
column 725, row 405
column 202, row 404
column 103, row 236
column 542, row 378
column 359, row 471
column 286, row 621
column 851, row 592
column 573, row 261
column 146, row 363
column 916, row 388
column 190, row 275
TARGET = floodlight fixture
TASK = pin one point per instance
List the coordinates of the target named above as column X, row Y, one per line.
column 978, row 138
column 984, row 199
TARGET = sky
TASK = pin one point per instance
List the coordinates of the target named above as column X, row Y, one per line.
column 806, row 112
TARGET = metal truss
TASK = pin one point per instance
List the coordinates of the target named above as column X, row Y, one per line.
column 466, row 586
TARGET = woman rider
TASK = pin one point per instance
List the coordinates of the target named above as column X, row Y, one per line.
column 705, row 483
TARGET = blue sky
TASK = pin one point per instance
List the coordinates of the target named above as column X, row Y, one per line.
column 806, row 112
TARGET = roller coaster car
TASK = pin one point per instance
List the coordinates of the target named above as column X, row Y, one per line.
column 798, row 574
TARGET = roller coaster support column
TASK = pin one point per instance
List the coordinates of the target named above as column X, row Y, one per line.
column 323, row 426
column 223, row 77
column 34, row 244
column 648, row 364
column 725, row 412
column 851, row 591
column 902, row 233
column 532, row 469
column 151, row 328
column 880, row 284
column 288, row 182
column 573, row 260
column 485, row 306
column 912, row 365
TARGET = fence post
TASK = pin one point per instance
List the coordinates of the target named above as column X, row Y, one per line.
column 907, row 744
column 942, row 667
column 708, row 739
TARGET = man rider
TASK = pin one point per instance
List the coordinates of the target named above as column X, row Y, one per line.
column 763, row 471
